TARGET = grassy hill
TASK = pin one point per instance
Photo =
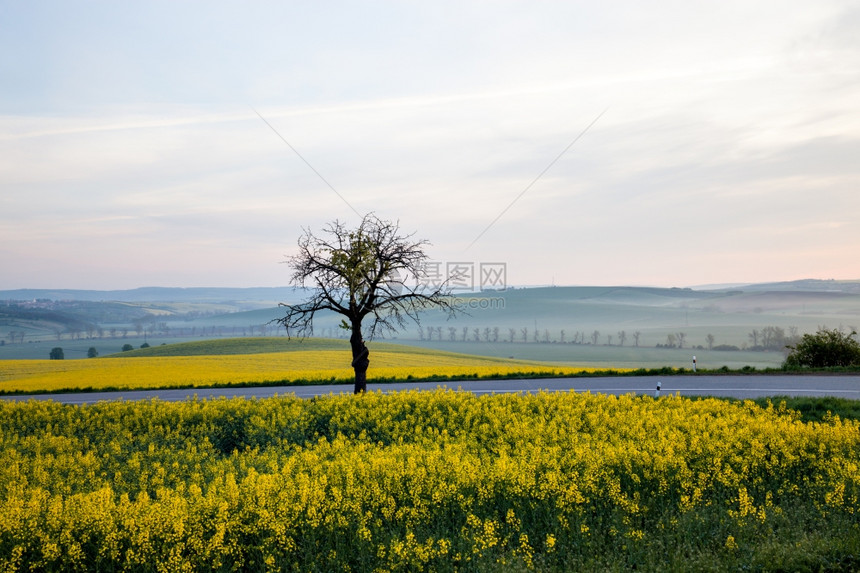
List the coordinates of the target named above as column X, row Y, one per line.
column 265, row 345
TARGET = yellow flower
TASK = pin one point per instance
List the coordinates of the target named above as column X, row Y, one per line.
column 730, row 543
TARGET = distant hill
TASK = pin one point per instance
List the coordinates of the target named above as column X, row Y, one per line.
column 808, row 285
column 610, row 320
column 158, row 294
column 291, row 294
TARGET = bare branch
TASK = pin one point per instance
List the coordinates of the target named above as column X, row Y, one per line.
column 350, row 272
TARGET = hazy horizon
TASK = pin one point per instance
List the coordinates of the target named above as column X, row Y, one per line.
column 701, row 287
column 706, row 143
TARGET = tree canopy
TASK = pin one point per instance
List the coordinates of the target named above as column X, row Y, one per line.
column 823, row 349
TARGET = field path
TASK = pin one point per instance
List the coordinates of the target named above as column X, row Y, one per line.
column 751, row 386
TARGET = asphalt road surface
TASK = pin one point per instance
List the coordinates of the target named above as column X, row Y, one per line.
column 750, row 386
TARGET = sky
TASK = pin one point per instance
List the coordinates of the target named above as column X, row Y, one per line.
column 663, row 143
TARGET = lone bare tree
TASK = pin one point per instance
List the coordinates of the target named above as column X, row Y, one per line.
column 360, row 274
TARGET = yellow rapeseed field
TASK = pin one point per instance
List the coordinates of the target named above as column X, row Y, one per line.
column 200, row 371
column 427, row 481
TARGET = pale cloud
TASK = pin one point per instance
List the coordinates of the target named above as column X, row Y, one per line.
column 727, row 154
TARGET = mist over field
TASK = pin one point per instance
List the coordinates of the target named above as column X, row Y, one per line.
column 602, row 326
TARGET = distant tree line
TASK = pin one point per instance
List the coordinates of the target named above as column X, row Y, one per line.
column 149, row 328
column 772, row 338
column 62, row 322
column 765, row 339
column 523, row 334
column 77, row 320
column 16, row 336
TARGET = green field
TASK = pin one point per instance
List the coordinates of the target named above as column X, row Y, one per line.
column 563, row 354
column 612, row 356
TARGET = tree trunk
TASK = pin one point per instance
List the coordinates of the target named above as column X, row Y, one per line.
column 360, row 361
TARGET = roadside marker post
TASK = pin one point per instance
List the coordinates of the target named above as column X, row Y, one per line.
column 657, row 392
column 694, row 363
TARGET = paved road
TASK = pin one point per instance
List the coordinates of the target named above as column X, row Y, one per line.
column 730, row 386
